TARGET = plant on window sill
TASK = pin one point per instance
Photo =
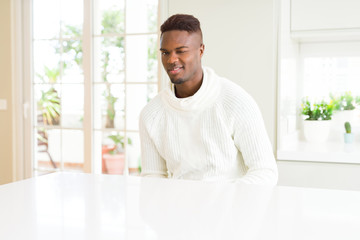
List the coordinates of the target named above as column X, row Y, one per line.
column 317, row 123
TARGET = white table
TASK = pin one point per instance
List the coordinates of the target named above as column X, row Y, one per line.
column 85, row 206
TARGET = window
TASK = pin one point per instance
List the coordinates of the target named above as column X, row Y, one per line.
column 94, row 66
column 321, row 67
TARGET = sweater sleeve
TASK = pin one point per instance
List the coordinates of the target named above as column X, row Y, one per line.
column 152, row 164
column 252, row 141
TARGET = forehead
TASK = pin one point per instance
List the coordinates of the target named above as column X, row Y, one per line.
column 176, row 38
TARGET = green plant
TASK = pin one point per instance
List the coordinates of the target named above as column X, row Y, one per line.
column 119, row 142
column 347, row 127
column 336, row 102
column 344, row 102
column 348, row 101
column 73, row 45
column 49, row 106
column 357, row 100
column 316, row 111
column 112, row 22
column 110, row 111
column 49, row 102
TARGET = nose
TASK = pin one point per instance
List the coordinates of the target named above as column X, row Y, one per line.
column 173, row 58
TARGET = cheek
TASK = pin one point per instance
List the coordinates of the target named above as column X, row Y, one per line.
column 163, row 60
column 188, row 60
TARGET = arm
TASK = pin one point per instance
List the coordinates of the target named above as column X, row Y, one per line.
column 152, row 164
column 252, row 141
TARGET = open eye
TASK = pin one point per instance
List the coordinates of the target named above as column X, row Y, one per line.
column 164, row 53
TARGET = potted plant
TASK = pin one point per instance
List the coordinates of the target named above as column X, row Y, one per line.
column 343, row 106
column 357, row 101
column 317, row 120
column 48, row 110
column 49, row 107
column 113, row 157
column 348, row 136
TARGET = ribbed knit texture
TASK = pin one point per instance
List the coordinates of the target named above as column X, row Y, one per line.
column 216, row 134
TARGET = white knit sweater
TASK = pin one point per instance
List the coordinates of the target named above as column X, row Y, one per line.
column 216, row 134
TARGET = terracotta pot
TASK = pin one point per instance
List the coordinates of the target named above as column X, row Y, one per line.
column 114, row 163
column 105, row 149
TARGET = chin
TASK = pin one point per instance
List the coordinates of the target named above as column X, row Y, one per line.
column 177, row 81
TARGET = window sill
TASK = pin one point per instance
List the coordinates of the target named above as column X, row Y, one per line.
column 334, row 152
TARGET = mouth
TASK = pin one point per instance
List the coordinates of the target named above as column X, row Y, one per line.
column 175, row 70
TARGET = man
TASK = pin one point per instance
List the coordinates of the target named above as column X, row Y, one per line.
column 202, row 126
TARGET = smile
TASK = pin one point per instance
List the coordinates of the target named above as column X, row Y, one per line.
column 175, row 70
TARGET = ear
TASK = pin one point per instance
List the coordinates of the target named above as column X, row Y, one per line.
column 202, row 49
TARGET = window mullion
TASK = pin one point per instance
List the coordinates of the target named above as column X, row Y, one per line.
column 88, row 93
column 126, row 167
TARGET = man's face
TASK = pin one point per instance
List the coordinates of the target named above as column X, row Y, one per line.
column 181, row 54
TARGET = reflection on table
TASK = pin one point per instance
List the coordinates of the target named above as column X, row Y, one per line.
column 86, row 206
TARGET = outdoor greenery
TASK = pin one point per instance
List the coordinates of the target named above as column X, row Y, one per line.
column 119, row 142
column 49, row 107
column 112, row 22
column 49, row 103
column 316, row 110
column 70, row 51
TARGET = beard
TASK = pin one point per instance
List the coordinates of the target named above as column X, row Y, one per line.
column 177, row 81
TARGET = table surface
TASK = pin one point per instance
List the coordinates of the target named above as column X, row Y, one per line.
column 87, row 206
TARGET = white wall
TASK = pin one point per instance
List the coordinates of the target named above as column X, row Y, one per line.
column 240, row 44
column 6, row 90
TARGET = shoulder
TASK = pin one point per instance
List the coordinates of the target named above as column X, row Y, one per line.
column 152, row 110
column 236, row 98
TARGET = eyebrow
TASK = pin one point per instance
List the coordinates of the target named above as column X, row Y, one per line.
column 163, row 49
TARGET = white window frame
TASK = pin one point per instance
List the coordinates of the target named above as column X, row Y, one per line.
column 310, row 43
column 23, row 152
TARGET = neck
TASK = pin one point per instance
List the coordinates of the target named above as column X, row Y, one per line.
column 188, row 88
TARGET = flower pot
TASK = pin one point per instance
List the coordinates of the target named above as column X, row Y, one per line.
column 317, row 131
column 114, row 163
column 105, row 150
column 348, row 137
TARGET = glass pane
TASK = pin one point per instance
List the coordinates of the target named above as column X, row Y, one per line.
column 72, row 18
column 141, row 16
column 336, row 75
column 112, row 152
column 109, row 59
column 72, row 59
column 72, row 103
column 72, row 143
column 46, row 61
column 133, row 152
column 46, row 17
column 138, row 95
column 47, row 150
column 47, row 105
column 109, row 16
column 141, row 58
column 109, row 106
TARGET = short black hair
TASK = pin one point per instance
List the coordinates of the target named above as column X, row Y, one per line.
column 182, row 22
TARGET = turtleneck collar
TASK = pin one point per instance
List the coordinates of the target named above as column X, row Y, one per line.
column 205, row 96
